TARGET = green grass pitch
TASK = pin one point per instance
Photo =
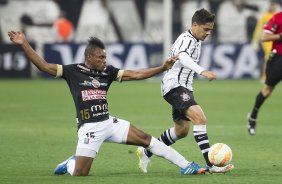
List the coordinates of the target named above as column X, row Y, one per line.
column 38, row 130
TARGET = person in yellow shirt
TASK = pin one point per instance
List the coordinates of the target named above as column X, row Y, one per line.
column 266, row 46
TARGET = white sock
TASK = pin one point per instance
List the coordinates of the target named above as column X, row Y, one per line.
column 71, row 166
column 200, row 128
column 160, row 149
column 173, row 134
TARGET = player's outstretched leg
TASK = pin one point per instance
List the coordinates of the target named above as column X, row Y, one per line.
column 191, row 169
column 251, row 124
column 62, row 167
column 160, row 149
column 144, row 160
column 168, row 137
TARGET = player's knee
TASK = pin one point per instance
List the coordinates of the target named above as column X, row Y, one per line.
column 266, row 91
column 200, row 119
column 145, row 139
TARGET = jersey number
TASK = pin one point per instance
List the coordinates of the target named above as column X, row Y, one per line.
column 85, row 114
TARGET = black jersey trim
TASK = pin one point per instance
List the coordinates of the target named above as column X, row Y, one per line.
column 181, row 44
column 188, row 34
column 193, row 52
column 188, row 45
column 188, row 78
column 162, row 87
column 193, row 36
column 185, row 53
column 179, row 74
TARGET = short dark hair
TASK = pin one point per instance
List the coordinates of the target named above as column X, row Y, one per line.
column 93, row 43
column 203, row 16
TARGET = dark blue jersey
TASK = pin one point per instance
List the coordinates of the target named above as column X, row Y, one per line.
column 89, row 91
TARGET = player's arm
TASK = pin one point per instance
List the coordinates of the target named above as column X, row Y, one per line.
column 20, row 39
column 266, row 37
column 148, row 72
column 188, row 62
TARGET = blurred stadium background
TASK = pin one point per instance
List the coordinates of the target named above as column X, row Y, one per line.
column 138, row 33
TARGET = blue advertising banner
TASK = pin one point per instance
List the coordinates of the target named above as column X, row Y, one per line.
column 13, row 62
column 125, row 55
column 233, row 61
column 227, row 60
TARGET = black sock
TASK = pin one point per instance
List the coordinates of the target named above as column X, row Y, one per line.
column 259, row 101
column 168, row 137
column 201, row 137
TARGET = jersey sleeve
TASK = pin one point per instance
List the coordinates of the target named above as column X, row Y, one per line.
column 188, row 62
column 59, row 73
column 65, row 71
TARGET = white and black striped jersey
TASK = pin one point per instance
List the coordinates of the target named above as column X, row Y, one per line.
column 182, row 72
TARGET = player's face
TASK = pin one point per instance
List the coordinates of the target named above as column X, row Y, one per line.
column 202, row 31
column 97, row 60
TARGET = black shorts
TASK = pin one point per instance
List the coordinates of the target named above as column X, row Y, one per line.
column 180, row 99
column 274, row 71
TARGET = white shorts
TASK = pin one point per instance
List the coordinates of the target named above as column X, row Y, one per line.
column 92, row 135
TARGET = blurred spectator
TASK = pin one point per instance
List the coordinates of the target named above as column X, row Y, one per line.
column 176, row 19
column 141, row 9
column 72, row 9
column 63, row 29
column 232, row 21
column 266, row 46
column 26, row 21
column 214, row 6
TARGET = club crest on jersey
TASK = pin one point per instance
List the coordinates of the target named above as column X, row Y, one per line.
column 185, row 97
column 95, row 83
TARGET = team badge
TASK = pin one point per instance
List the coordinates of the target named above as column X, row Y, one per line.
column 185, row 97
column 95, row 83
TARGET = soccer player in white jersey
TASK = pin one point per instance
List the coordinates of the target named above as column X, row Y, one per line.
column 177, row 90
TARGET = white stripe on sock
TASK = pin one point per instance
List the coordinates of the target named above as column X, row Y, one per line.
column 203, row 142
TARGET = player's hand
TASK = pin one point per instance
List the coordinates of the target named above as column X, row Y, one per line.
column 169, row 62
column 17, row 37
column 209, row 75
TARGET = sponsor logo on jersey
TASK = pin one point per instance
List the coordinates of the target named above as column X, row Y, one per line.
column 95, row 83
column 93, row 94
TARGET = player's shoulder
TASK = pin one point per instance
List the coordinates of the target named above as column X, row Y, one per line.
column 74, row 66
column 187, row 35
column 185, row 38
column 111, row 67
column 277, row 15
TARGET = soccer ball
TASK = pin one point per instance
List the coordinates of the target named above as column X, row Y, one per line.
column 220, row 154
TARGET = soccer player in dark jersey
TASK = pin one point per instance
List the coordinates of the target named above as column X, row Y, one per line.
column 177, row 90
column 272, row 32
column 88, row 83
